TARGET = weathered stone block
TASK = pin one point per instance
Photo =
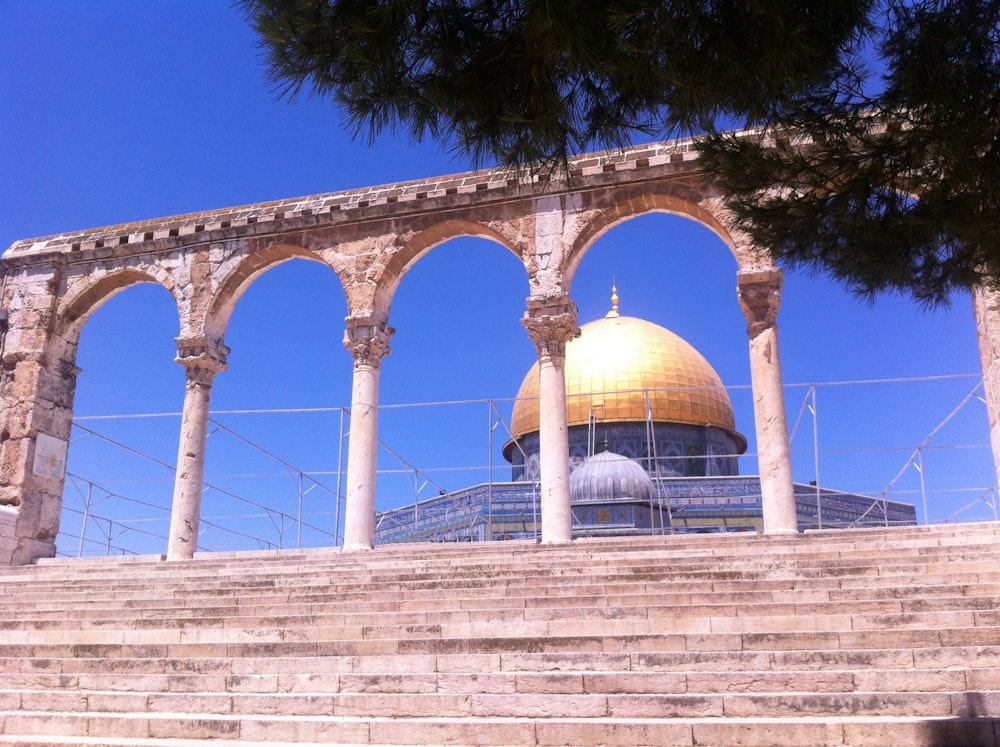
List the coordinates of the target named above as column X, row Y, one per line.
column 616, row 733
column 472, row 733
column 774, row 732
column 163, row 727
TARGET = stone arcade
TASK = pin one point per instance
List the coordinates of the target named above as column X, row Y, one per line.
column 370, row 238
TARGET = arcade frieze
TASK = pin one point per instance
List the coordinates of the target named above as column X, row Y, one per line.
column 597, row 170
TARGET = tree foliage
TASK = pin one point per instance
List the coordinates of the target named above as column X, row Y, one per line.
column 893, row 191
column 888, row 180
column 530, row 81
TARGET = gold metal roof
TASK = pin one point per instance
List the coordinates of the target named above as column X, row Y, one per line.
column 619, row 361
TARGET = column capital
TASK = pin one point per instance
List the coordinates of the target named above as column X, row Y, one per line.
column 760, row 297
column 202, row 358
column 551, row 323
column 367, row 340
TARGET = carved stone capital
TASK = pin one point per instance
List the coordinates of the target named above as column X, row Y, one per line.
column 760, row 297
column 367, row 340
column 202, row 358
column 551, row 323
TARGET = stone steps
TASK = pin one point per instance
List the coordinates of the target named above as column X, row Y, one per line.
column 414, row 677
column 221, row 662
column 832, row 585
column 610, row 636
column 904, row 590
column 757, row 704
column 864, row 542
column 328, row 564
column 859, row 637
column 848, row 608
column 940, row 569
column 331, row 566
column 185, row 730
column 854, row 631
column 982, row 571
column 929, row 610
column 331, row 560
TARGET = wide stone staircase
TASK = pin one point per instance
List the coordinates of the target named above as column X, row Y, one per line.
column 867, row 637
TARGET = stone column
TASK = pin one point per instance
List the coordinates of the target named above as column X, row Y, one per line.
column 368, row 343
column 760, row 297
column 202, row 360
column 986, row 309
column 551, row 323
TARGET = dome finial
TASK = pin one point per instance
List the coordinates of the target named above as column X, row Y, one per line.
column 614, row 299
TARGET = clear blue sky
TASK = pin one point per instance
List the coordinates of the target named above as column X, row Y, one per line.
column 118, row 110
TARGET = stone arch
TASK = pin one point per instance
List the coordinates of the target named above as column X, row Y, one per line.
column 415, row 246
column 76, row 308
column 242, row 276
column 684, row 201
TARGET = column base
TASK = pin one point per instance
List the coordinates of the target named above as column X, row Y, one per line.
column 357, row 548
column 781, row 532
column 180, row 549
column 29, row 550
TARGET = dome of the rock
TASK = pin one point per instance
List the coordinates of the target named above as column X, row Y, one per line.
column 619, row 361
column 623, row 369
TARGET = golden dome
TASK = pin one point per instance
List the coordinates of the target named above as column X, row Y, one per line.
column 619, row 361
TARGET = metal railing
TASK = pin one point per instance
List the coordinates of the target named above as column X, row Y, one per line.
column 118, row 494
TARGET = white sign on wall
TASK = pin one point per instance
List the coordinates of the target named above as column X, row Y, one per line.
column 50, row 456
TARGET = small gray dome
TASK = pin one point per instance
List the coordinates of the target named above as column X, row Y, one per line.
column 608, row 476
